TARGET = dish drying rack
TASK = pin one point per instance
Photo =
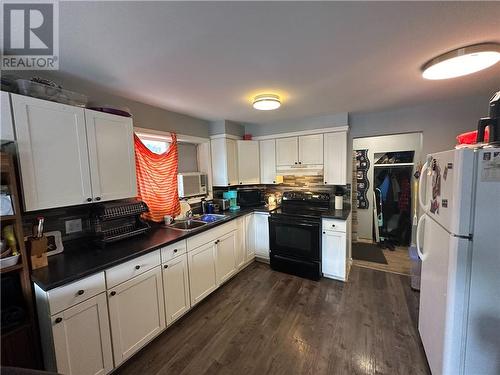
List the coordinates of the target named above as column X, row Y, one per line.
column 114, row 221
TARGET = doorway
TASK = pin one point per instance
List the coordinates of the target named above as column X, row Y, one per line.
column 384, row 200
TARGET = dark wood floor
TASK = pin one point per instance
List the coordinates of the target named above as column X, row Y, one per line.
column 265, row 322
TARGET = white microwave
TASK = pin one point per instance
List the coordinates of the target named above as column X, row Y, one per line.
column 192, row 184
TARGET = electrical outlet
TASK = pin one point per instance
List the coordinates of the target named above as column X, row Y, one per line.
column 73, row 226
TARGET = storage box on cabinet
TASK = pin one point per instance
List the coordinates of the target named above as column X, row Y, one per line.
column 134, row 267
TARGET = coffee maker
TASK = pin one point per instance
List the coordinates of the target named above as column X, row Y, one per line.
column 492, row 122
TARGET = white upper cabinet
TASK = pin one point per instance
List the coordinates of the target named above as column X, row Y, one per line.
column 53, row 154
column 311, row 149
column 70, row 156
column 112, row 158
column 248, row 162
column 267, row 161
column 6, row 127
column 335, row 158
column 287, row 151
column 82, row 340
column 224, row 155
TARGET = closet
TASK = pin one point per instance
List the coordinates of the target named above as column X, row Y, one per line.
column 392, row 196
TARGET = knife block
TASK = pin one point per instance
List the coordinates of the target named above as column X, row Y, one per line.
column 38, row 252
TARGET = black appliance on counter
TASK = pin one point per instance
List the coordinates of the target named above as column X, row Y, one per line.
column 295, row 233
column 250, row 198
column 492, row 122
column 114, row 221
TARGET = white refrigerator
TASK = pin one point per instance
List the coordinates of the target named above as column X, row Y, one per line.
column 458, row 240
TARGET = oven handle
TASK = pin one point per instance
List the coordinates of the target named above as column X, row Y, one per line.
column 295, row 223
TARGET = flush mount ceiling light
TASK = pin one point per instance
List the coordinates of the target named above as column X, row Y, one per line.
column 266, row 102
column 462, row 61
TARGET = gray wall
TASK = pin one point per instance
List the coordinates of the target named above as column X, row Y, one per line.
column 145, row 116
column 256, row 130
column 226, row 127
column 188, row 157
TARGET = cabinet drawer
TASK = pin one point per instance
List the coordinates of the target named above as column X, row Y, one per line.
column 172, row 251
column 69, row 295
column 335, row 225
column 210, row 235
column 134, row 267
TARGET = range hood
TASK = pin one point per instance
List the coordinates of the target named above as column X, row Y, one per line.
column 300, row 170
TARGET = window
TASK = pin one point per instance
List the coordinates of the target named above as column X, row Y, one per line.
column 154, row 145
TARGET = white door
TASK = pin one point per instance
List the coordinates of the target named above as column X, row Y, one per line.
column 248, row 162
column 240, row 243
column 250, row 237
column 176, row 288
column 261, row 235
column 267, row 161
column 202, row 276
column 287, row 150
column 311, row 149
column 226, row 257
column 82, row 341
column 111, row 153
column 53, row 155
column 136, row 312
column 232, row 162
column 335, row 158
column 333, row 262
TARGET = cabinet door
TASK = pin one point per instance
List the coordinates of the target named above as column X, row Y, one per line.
column 248, row 162
column 240, row 243
column 334, row 255
column 53, row 155
column 250, row 237
column 226, row 257
column 176, row 288
column 202, row 276
column 268, row 161
column 219, row 161
column 6, row 127
column 335, row 158
column 82, row 341
column 137, row 313
column 262, row 235
column 232, row 162
column 311, row 149
column 111, row 154
column 287, row 151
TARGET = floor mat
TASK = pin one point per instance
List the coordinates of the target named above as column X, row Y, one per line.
column 369, row 252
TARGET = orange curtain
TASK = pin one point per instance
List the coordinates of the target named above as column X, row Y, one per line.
column 157, row 179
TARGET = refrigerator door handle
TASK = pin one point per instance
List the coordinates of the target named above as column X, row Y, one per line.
column 421, row 187
column 421, row 255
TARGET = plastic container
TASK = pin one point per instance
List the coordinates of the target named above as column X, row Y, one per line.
column 47, row 92
column 416, row 267
column 9, row 261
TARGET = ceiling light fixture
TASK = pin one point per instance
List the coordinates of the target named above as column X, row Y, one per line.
column 462, row 61
column 266, row 102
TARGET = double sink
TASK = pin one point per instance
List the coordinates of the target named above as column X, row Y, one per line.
column 197, row 222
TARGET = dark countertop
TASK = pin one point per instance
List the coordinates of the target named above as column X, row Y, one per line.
column 338, row 214
column 84, row 258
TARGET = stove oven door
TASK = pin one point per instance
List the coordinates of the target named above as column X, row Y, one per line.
column 295, row 238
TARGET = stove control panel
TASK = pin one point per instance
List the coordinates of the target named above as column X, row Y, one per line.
column 306, row 196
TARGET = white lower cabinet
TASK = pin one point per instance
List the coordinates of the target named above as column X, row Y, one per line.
column 82, row 341
column 202, row 274
column 336, row 254
column 226, row 257
column 176, row 288
column 250, row 236
column 240, row 251
column 261, row 222
column 137, row 313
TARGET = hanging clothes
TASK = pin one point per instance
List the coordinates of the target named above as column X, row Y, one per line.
column 404, row 197
column 157, row 179
column 384, row 187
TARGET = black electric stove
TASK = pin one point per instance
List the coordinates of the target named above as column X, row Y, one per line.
column 295, row 233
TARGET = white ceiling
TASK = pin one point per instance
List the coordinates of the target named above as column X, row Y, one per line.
column 208, row 59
